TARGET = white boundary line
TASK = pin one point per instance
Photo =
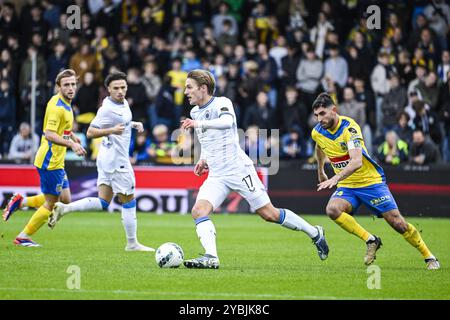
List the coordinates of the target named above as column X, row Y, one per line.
column 210, row 294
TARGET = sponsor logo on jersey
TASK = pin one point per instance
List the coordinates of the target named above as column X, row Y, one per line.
column 66, row 134
column 352, row 130
column 380, row 200
column 343, row 146
column 340, row 162
column 223, row 109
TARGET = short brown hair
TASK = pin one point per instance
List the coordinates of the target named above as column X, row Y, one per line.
column 65, row 74
column 203, row 77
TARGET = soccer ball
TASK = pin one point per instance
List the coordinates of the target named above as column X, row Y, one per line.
column 169, row 255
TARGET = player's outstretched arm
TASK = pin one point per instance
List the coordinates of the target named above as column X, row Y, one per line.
column 320, row 157
column 223, row 122
column 94, row 132
column 53, row 137
column 354, row 164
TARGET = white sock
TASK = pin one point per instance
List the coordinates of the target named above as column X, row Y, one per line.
column 290, row 220
column 207, row 234
column 371, row 238
column 24, row 203
column 85, row 204
column 129, row 221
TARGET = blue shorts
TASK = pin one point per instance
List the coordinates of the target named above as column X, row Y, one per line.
column 378, row 198
column 53, row 181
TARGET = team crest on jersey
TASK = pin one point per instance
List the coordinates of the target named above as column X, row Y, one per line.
column 207, row 114
column 343, row 146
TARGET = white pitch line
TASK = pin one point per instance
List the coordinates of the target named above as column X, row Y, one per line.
column 211, row 294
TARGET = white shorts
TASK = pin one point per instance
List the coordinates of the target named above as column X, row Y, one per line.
column 247, row 184
column 120, row 182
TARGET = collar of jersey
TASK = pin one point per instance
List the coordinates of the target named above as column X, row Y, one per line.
column 115, row 102
column 337, row 127
column 63, row 103
column 207, row 104
column 342, row 124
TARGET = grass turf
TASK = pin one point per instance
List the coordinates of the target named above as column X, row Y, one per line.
column 258, row 261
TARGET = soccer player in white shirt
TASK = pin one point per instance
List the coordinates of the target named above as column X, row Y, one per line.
column 214, row 122
column 113, row 122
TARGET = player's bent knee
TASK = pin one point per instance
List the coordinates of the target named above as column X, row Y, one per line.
column 333, row 211
column 199, row 211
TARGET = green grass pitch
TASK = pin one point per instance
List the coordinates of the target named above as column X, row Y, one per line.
column 258, row 261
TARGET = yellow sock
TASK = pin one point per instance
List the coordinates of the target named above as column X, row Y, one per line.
column 35, row 201
column 414, row 238
column 349, row 224
column 37, row 220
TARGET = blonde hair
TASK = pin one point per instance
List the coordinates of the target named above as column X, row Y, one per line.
column 203, row 77
column 65, row 74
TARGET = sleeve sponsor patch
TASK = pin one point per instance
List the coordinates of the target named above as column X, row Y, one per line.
column 223, row 109
column 352, row 130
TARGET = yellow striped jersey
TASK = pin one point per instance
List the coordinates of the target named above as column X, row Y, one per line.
column 335, row 145
column 58, row 118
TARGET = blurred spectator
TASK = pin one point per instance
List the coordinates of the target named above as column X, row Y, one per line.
column 227, row 36
column 57, row 61
column 250, row 85
column 8, row 18
column 178, row 78
column 289, row 65
column 161, row 149
column 24, row 144
column 423, row 151
column 350, row 107
column 444, row 67
column 365, row 95
column 357, row 66
column 138, row 148
column 190, row 61
column 319, row 32
column 438, row 13
column 295, row 113
column 309, row 73
column 85, row 61
column 336, row 68
column 86, row 100
column 444, row 102
column 404, row 67
column 393, row 103
column 136, row 96
column 151, row 80
column 162, row 111
column 128, row 55
column 402, row 128
column 393, row 150
column 255, row 143
column 98, row 44
column 260, row 114
column 7, row 115
column 268, row 73
column 426, row 121
column 293, row 145
column 429, row 90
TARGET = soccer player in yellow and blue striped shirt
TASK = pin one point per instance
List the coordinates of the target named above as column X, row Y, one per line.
column 56, row 138
column 359, row 180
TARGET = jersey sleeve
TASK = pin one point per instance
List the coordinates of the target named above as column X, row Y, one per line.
column 54, row 119
column 101, row 120
column 353, row 136
column 225, row 107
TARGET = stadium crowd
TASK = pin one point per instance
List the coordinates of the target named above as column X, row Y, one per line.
column 270, row 57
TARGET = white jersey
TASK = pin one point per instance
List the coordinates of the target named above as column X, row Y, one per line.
column 113, row 153
column 220, row 147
